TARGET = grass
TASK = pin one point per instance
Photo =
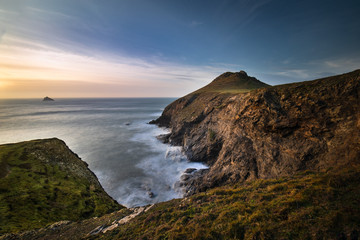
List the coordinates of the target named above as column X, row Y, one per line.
column 211, row 135
column 214, row 94
column 232, row 83
column 36, row 189
column 306, row 206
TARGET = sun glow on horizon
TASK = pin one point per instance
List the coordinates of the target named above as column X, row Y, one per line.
column 47, row 70
column 164, row 49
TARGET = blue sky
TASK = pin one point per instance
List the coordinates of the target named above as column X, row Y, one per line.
column 134, row 48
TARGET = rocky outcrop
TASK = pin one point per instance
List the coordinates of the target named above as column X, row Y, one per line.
column 48, row 99
column 268, row 132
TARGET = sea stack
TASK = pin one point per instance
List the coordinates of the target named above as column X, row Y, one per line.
column 48, row 99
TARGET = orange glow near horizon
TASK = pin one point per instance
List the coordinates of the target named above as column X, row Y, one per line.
column 37, row 71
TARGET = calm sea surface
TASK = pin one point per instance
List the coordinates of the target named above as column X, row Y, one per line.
column 111, row 135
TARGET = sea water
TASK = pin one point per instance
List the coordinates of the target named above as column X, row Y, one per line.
column 112, row 135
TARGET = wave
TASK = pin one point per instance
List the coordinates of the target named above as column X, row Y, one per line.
column 162, row 169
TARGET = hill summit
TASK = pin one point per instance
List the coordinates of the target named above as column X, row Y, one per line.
column 230, row 82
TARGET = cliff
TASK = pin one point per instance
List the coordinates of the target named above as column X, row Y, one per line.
column 267, row 132
column 284, row 164
column 43, row 181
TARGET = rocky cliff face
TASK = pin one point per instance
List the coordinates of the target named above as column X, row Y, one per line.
column 267, row 132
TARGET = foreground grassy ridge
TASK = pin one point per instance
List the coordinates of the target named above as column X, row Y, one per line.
column 42, row 182
column 310, row 205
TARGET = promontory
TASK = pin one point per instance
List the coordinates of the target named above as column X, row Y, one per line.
column 284, row 163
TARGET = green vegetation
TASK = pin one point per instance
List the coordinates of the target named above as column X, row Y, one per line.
column 213, row 95
column 309, row 205
column 212, row 135
column 232, row 83
column 42, row 182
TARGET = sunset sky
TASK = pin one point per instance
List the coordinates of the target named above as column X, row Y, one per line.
column 167, row 48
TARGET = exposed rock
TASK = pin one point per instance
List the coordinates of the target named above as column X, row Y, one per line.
column 72, row 230
column 185, row 177
column 97, row 230
column 268, row 132
column 48, row 99
column 190, row 170
column 57, row 225
column 151, row 194
column 135, row 212
column 164, row 138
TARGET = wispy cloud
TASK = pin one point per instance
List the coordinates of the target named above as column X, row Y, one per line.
column 346, row 64
column 311, row 70
column 251, row 13
column 2, row 33
column 195, row 23
column 43, row 55
column 40, row 62
column 293, row 73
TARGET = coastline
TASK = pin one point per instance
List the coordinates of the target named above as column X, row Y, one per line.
column 305, row 192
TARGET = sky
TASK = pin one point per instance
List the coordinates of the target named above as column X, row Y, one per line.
column 168, row 48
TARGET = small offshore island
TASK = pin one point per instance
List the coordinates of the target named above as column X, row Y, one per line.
column 284, row 163
column 47, row 99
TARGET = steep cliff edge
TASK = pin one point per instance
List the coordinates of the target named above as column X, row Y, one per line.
column 307, row 133
column 43, row 181
column 267, row 132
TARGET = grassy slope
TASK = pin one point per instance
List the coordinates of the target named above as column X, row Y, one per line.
column 224, row 86
column 232, row 83
column 35, row 192
column 309, row 205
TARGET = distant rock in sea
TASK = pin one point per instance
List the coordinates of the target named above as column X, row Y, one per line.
column 48, row 99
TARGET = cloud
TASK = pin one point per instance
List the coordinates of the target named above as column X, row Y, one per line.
column 124, row 75
column 346, row 64
column 195, row 23
column 293, row 73
column 250, row 11
column 48, row 53
column 2, row 33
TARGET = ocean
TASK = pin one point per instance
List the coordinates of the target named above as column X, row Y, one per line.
column 112, row 135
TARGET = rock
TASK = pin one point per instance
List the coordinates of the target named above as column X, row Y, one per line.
column 164, row 138
column 268, row 132
column 185, row 177
column 56, row 225
column 97, row 230
column 190, row 170
column 150, row 194
column 48, row 99
column 243, row 73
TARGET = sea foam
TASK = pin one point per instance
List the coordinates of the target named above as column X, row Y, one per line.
column 162, row 170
